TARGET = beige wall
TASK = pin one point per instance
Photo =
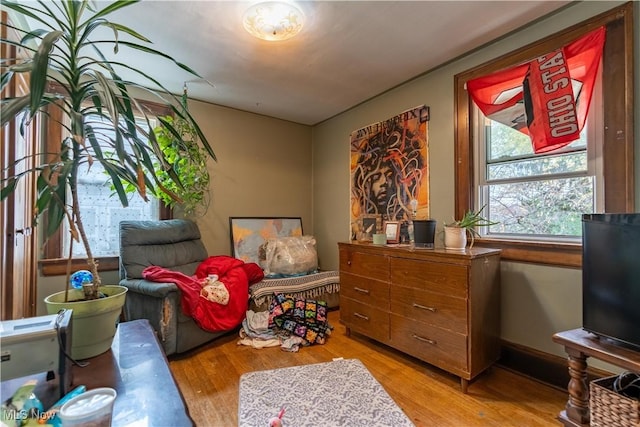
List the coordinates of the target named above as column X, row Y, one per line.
column 263, row 169
column 537, row 301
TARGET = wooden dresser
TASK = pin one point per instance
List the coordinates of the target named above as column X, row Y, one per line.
column 439, row 306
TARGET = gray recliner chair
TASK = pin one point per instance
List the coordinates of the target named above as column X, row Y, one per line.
column 173, row 244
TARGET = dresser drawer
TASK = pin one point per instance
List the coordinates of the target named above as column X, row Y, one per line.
column 363, row 289
column 449, row 279
column 436, row 346
column 431, row 308
column 364, row 264
column 365, row 319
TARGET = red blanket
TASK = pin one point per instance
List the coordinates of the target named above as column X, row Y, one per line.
column 236, row 275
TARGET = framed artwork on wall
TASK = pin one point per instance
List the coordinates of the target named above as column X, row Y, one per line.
column 392, row 230
column 249, row 233
column 389, row 169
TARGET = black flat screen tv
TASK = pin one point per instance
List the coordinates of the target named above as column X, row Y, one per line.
column 611, row 276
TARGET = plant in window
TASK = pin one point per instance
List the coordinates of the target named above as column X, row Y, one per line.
column 68, row 53
column 187, row 159
column 467, row 224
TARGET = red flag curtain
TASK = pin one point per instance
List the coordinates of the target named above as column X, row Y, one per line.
column 547, row 98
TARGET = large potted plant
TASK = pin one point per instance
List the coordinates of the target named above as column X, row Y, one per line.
column 100, row 110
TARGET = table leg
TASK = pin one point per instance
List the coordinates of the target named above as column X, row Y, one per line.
column 577, row 408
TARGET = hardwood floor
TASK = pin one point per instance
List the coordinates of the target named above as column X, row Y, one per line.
column 209, row 378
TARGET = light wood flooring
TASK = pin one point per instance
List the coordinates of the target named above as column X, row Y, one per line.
column 209, row 376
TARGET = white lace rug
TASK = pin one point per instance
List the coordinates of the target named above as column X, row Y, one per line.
column 338, row 393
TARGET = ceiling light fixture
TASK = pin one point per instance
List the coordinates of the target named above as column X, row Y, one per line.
column 273, row 20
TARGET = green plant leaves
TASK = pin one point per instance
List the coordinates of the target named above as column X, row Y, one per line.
column 184, row 178
column 472, row 219
column 40, row 70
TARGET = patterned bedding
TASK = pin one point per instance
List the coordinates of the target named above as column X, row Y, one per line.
column 310, row 286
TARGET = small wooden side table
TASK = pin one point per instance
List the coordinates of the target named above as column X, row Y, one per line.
column 579, row 345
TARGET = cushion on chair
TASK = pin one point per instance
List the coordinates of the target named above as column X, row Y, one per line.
column 172, row 244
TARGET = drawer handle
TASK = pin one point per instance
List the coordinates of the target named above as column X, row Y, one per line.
column 423, row 339
column 361, row 316
column 349, row 262
column 362, row 291
column 424, row 307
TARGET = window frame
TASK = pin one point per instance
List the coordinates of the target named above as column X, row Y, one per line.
column 53, row 262
column 617, row 144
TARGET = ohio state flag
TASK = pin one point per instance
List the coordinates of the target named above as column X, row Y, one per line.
column 547, row 98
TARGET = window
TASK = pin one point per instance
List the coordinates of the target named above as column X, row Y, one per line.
column 103, row 225
column 594, row 173
column 538, row 196
column 103, row 211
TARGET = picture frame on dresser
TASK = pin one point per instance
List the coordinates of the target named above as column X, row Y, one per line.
column 392, row 230
column 371, row 223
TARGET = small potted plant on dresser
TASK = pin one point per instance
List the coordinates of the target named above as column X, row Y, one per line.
column 455, row 233
column 99, row 113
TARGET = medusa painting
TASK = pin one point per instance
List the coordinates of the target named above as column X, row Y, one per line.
column 389, row 168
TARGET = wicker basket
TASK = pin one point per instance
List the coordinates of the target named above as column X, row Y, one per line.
column 608, row 408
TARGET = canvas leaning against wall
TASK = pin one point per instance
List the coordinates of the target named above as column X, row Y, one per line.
column 389, row 170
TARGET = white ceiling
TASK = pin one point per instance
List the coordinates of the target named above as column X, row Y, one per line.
column 348, row 51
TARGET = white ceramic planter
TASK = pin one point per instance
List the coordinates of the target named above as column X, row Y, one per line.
column 455, row 238
column 93, row 322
